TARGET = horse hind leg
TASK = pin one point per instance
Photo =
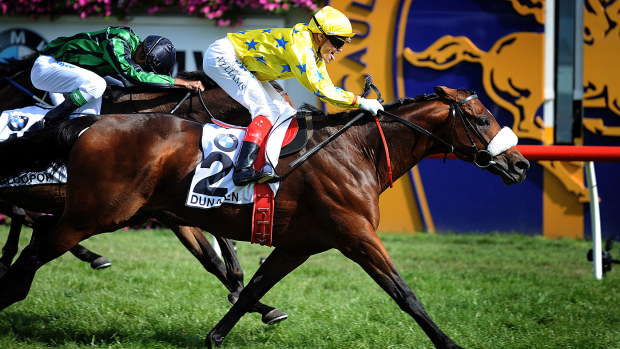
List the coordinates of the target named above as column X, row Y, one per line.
column 275, row 267
column 228, row 272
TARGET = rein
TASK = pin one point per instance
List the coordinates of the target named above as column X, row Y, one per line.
column 24, row 90
column 202, row 103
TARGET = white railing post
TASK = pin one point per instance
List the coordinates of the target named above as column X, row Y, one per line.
column 595, row 217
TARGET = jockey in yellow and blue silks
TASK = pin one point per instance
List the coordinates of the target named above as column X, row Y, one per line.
column 242, row 63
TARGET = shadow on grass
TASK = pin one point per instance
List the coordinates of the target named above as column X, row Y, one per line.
column 49, row 330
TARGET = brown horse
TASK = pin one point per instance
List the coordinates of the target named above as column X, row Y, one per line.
column 126, row 168
column 18, row 92
column 50, row 198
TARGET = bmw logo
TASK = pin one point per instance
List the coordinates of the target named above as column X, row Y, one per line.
column 17, row 122
column 226, row 142
column 19, row 42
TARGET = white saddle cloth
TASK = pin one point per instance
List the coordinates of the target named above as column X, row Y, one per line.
column 13, row 123
column 212, row 184
column 17, row 121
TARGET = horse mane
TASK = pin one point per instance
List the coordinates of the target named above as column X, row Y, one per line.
column 197, row 75
column 319, row 116
column 14, row 65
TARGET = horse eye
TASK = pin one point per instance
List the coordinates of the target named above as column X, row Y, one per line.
column 483, row 121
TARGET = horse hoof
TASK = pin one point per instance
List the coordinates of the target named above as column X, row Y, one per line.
column 212, row 341
column 274, row 317
column 100, row 263
column 232, row 298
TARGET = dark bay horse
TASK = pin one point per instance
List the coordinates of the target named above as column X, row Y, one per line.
column 51, row 198
column 126, row 168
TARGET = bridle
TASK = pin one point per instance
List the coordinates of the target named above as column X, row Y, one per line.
column 482, row 158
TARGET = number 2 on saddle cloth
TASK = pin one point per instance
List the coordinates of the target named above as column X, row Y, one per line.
column 212, row 184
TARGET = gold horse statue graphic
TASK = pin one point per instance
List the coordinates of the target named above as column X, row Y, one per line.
column 513, row 71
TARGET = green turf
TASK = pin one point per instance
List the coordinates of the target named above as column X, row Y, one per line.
column 485, row 291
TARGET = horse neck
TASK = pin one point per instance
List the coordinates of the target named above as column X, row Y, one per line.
column 406, row 146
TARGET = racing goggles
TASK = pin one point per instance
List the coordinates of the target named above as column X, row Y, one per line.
column 337, row 41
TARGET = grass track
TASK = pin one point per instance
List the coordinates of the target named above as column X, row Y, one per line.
column 485, row 291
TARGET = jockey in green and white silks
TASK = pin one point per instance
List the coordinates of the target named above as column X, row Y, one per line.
column 76, row 66
column 243, row 62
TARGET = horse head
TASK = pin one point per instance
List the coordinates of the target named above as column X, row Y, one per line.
column 473, row 135
column 15, row 75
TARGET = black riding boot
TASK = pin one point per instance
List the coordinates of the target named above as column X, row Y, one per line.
column 244, row 172
column 60, row 112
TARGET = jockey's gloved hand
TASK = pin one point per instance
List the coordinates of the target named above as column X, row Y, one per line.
column 371, row 105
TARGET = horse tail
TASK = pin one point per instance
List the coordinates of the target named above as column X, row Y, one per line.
column 42, row 149
column 445, row 53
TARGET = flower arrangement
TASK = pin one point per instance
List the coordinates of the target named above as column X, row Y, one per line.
column 223, row 12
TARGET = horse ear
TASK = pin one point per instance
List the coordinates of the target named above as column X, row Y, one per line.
column 441, row 92
column 445, row 92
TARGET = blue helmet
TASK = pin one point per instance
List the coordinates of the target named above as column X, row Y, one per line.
column 160, row 54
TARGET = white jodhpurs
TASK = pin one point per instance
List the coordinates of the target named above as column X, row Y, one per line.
column 223, row 66
column 51, row 75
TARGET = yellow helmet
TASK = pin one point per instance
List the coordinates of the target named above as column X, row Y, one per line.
column 330, row 21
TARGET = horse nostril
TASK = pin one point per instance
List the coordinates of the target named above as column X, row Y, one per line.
column 522, row 165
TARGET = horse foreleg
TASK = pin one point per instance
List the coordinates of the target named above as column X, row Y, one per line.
column 228, row 272
column 18, row 217
column 275, row 267
column 270, row 315
column 44, row 223
column 195, row 241
column 371, row 255
column 96, row 261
